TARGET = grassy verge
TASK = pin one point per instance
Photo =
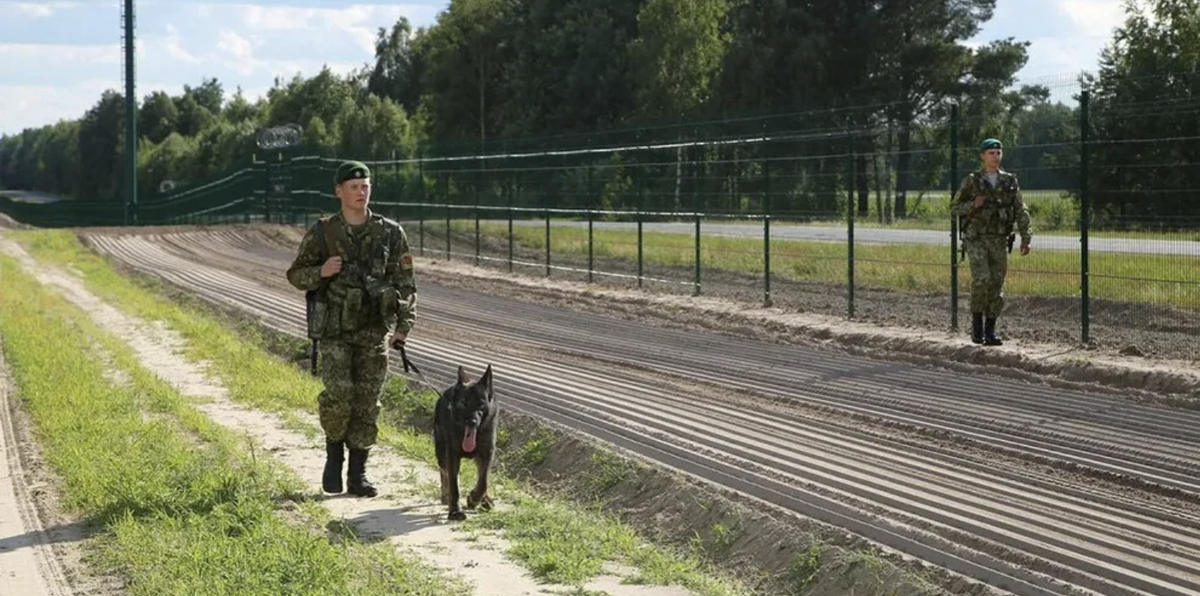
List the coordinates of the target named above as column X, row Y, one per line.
column 559, row 539
column 551, row 537
column 1066, row 230
column 1149, row 279
column 179, row 509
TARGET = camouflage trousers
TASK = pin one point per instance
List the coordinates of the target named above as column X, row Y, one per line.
column 988, row 257
column 349, row 406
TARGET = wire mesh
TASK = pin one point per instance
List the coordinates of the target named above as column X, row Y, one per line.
column 837, row 212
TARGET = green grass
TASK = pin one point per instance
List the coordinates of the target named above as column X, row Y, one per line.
column 562, row 543
column 557, row 540
column 179, row 506
column 805, row 567
column 238, row 356
column 920, row 269
column 1053, row 212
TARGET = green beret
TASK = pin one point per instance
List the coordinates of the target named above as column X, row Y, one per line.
column 990, row 144
column 351, row 170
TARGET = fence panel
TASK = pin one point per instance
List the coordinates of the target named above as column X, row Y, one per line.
column 1144, row 249
column 841, row 212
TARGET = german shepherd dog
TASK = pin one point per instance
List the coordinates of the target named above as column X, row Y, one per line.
column 464, row 427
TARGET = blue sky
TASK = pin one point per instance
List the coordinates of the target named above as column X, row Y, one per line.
column 56, row 57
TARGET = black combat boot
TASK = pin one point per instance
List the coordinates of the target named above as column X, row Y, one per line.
column 989, row 333
column 356, row 476
column 977, row 327
column 331, row 480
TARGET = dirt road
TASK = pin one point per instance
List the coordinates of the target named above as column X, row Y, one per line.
column 1031, row 489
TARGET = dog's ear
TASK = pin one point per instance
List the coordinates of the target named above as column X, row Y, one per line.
column 486, row 381
column 462, row 376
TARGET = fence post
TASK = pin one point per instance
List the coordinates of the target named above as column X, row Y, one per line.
column 479, row 183
column 853, row 172
column 696, row 284
column 640, row 218
column 424, row 200
column 953, row 183
column 1084, row 218
column 448, row 212
column 767, row 235
column 510, row 236
column 591, row 257
column 591, row 189
column 477, row 236
column 246, row 213
column 547, row 243
column 266, row 190
column 290, row 207
column 698, row 205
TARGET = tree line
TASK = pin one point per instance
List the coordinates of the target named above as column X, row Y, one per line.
column 877, row 78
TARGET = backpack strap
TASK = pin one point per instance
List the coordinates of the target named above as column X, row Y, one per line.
column 329, row 246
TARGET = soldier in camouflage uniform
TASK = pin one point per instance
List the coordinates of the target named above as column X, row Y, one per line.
column 989, row 203
column 360, row 268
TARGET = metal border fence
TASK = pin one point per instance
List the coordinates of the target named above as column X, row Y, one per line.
column 773, row 182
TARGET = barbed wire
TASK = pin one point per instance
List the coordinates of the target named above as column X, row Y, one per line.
column 204, row 187
column 279, row 137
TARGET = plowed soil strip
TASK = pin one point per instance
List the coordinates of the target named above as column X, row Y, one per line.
column 638, row 386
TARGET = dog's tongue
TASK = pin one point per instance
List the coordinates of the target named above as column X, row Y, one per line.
column 469, row 440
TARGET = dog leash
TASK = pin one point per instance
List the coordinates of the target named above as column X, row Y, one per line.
column 409, row 365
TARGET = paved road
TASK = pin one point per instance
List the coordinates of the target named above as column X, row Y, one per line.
column 894, row 236
column 1034, row 490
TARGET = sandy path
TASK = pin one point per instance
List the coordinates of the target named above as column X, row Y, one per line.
column 28, row 565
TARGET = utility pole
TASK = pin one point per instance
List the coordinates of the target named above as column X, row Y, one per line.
column 130, row 120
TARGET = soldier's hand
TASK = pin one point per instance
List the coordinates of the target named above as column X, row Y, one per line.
column 979, row 201
column 331, row 267
column 397, row 340
column 1024, row 249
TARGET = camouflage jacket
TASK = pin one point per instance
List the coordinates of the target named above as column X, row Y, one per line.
column 1003, row 210
column 374, row 293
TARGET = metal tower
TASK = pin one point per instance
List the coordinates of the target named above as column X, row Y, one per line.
column 130, row 117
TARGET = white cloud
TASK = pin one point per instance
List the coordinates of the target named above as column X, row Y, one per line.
column 1057, row 56
column 287, row 68
column 38, row 105
column 234, row 44
column 237, row 53
column 1097, row 17
column 276, row 18
column 240, row 52
column 39, row 10
column 43, row 53
column 248, row 43
column 176, row 50
column 358, row 21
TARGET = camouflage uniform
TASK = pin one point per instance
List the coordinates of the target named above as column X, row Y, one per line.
column 356, row 309
column 986, row 232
